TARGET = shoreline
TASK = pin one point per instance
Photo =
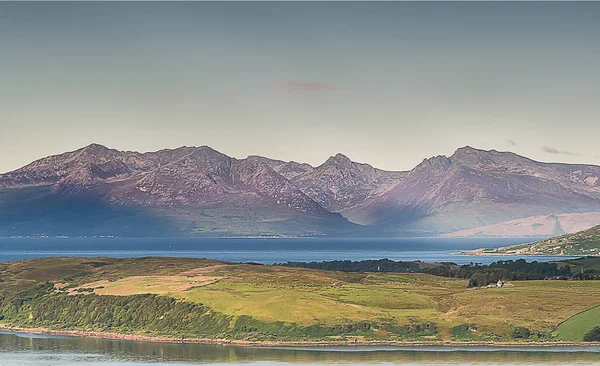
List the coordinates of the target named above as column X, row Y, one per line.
column 482, row 253
column 240, row 343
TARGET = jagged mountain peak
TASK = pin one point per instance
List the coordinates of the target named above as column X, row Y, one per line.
column 340, row 184
column 95, row 147
column 339, row 160
column 341, row 156
column 438, row 162
column 207, row 151
column 97, row 153
column 468, row 150
column 203, row 148
column 288, row 169
column 191, row 158
column 469, row 155
column 52, row 169
column 183, row 149
column 271, row 162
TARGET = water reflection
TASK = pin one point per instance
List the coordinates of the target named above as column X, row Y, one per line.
column 17, row 349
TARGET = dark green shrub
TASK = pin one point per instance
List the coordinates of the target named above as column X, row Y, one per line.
column 593, row 335
column 521, row 332
column 463, row 331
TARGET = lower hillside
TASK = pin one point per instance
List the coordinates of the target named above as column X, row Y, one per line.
column 198, row 298
column 583, row 243
column 579, row 327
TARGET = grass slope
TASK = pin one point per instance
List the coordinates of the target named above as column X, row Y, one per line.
column 583, row 243
column 574, row 328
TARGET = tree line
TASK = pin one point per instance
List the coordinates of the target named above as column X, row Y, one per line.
column 478, row 274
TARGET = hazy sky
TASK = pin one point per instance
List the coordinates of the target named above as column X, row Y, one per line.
column 384, row 83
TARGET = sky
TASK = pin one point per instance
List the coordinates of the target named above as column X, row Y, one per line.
column 384, row 83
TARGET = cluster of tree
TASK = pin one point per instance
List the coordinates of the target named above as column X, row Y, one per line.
column 521, row 332
column 380, row 265
column 463, row 331
column 588, row 274
column 593, row 335
column 486, row 277
column 478, row 274
column 416, row 329
column 513, row 270
column 509, row 270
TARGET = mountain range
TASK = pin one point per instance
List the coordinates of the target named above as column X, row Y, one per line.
column 198, row 191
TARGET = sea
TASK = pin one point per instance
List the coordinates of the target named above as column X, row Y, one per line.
column 262, row 250
column 18, row 349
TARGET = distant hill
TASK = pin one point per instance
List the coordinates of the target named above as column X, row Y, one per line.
column 583, row 243
column 198, row 191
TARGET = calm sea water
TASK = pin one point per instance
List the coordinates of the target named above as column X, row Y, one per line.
column 22, row 349
column 265, row 251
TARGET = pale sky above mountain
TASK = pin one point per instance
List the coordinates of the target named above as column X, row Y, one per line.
column 384, row 83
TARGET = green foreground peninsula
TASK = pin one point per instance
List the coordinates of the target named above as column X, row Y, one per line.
column 193, row 299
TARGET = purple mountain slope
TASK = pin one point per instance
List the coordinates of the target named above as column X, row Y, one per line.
column 474, row 188
column 340, row 184
column 214, row 193
column 199, row 191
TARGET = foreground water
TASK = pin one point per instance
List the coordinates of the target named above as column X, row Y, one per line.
column 265, row 251
column 22, row 349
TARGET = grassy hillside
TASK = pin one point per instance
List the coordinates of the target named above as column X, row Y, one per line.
column 574, row 328
column 583, row 243
column 195, row 298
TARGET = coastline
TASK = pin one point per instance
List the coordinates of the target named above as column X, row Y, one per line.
column 482, row 253
column 240, row 343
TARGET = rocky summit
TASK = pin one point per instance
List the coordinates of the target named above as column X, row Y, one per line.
column 198, row 191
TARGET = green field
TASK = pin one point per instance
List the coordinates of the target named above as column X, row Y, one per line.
column 574, row 328
column 203, row 298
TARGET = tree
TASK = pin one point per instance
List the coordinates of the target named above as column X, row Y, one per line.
column 521, row 332
column 593, row 335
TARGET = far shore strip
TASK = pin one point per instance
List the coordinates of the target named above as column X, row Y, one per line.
column 484, row 253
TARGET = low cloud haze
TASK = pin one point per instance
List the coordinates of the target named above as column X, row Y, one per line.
column 553, row 150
